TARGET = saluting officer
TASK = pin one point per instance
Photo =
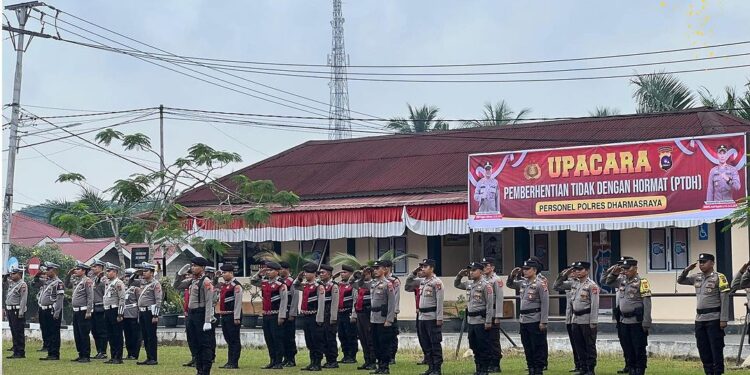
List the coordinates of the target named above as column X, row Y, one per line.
column 149, row 305
column 585, row 315
column 82, row 300
column 230, row 311
column 40, row 279
column 712, row 311
column 496, row 350
column 130, row 315
column 479, row 315
column 289, row 328
column 182, row 280
column 382, row 316
column 307, row 285
column 114, row 305
column 566, row 283
column 200, row 315
column 362, row 306
column 347, row 329
column 412, row 284
column 274, row 294
column 51, row 304
column 394, row 327
column 430, row 319
column 327, row 316
column 634, row 295
column 534, row 312
column 15, row 310
column 98, row 320
column 616, row 315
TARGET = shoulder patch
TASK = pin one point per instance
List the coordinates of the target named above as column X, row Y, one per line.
column 544, row 284
column 321, row 288
column 723, row 283
column 500, row 282
column 237, row 288
column 645, row 289
column 595, row 289
column 88, row 282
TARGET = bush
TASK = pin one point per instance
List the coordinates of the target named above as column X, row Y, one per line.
column 173, row 301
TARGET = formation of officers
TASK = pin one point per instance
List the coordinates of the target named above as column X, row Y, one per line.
column 361, row 304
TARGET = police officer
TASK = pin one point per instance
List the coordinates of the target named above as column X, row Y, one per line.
column 585, row 315
column 306, row 284
column 362, row 307
column 712, row 311
column 497, row 287
column 15, row 310
column 82, row 300
column 412, row 284
column 210, row 273
column 40, row 279
column 98, row 321
column 397, row 289
column 742, row 281
column 634, row 295
column 289, row 328
column 230, row 311
column 274, row 294
column 616, row 314
column 182, row 281
column 382, row 316
column 149, row 305
column 51, row 304
column 534, row 311
column 479, row 315
column 430, row 319
column 200, row 316
column 566, row 283
column 114, row 304
column 347, row 330
column 327, row 316
column 129, row 313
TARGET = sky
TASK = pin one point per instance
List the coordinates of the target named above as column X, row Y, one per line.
column 377, row 32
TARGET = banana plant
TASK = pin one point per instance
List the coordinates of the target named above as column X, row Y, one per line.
column 343, row 258
column 296, row 261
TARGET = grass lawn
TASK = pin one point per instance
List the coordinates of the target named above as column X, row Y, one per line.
column 171, row 358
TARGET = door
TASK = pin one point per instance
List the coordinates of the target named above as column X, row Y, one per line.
column 600, row 246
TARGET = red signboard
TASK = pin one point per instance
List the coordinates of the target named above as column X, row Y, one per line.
column 32, row 266
column 680, row 182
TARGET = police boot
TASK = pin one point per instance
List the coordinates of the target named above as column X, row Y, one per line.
column 625, row 370
column 428, row 371
column 436, row 371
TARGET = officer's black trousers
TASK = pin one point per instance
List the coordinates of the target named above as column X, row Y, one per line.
column 348, row 335
column 99, row 330
column 710, row 339
column 53, row 332
column 422, row 341
column 534, row 342
column 634, row 342
column 204, row 346
column 289, row 338
column 43, row 328
column 231, row 333
column 81, row 331
column 394, row 338
column 382, row 337
column 585, row 340
column 188, row 336
column 132, row 336
column 576, row 356
column 17, row 330
column 496, row 352
column 432, row 336
column 114, row 333
column 274, row 338
column 479, row 342
column 364, row 332
column 330, row 346
column 313, row 338
column 623, row 342
column 148, row 332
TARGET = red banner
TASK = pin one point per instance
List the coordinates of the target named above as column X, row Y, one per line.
column 680, row 182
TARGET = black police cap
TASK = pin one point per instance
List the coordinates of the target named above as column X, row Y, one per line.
column 227, row 267
column 706, row 256
column 347, row 268
column 200, row 261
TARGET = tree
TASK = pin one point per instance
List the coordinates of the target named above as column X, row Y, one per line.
column 498, row 115
column 604, row 112
column 421, row 120
column 659, row 92
column 732, row 103
column 344, row 258
column 296, row 260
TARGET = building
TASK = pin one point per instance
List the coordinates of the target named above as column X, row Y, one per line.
column 364, row 196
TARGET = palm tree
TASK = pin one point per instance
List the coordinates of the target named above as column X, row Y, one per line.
column 421, row 120
column 660, row 92
column 734, row 104
column 296, row 260
column 498, row 115
column 343, row 258
column 604, row 112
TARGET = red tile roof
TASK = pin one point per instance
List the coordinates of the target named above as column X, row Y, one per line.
column 436, row 162
column 25, row 231
column 85, row 249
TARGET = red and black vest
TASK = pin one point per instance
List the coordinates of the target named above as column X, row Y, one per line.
column 309, row 297
column 328, row 295
column 226, row 296
column 289, row 282
column 364, row 300
column 271, row 291
column 346, row 301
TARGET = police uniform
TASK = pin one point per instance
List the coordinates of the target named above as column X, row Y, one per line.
column 230, row 312
column 382, row 318
column 182, row 281
column 479, row 316
column 327, row 317
column 347, row 330
column 200, row 316
column 308, row 311
column 585, row 309
column 51, row 306
column 362, row 308
column 129, row 313
column 289, row 328
column 149, row 305
column 568, row 287
column 616, row 316
column 712, row 293
column 742, row 281
column 496, row 350
column 723, row 180
column 274, row 294
column 99, row 329
column 534, row 311
column 82, row 300
column 430, row 319
column 486, row 192
column 634, row 296
column 394, row 327
column 114, row 304
column 15, row 309
column 412, row 285
column 39, row 281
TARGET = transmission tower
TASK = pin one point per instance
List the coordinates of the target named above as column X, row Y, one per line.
column 339, row 126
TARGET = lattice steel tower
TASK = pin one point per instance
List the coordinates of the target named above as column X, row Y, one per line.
column 339, row 126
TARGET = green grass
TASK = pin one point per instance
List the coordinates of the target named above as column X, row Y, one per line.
column 171, row 358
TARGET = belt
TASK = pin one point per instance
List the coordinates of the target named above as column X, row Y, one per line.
column 197, row 309
column 376, row 309
column 365, row 310
column 308, row 312
column 142, row 309
column 346, row 310
column 99, row 304
column 82, row 308
column 708, row 310
column 481, row 313
column 428, row 309
column 271, row 312
column 131, row 305
column 48, row 307
column 109, row 307
column 582, row 312
column 531, row 311
column 13, row 307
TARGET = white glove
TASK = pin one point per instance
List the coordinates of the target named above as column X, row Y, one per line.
column 206, row 327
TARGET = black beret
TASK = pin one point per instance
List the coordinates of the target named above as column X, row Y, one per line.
column 623, row 258
column 386, row 263
column 226, row 267
column 273, row 265
column 310, row 267
column 200, row 261
column 284, row 265
column 488, row 260
column 326, row 267
column 582, row 265
column 476, row 266
column 427, row 262
column 629, row 262
column 347, row 268
column 706, row 256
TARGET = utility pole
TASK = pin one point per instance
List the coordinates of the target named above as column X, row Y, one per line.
column 339, row 125
column 22, row 13
column 161, row 137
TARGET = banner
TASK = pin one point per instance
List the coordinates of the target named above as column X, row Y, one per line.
column 670, row 182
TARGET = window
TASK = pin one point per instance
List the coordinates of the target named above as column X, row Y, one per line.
column 668, row 249
column 252, row 249
column 315, row 249
column 540, row 248
column 398, row 245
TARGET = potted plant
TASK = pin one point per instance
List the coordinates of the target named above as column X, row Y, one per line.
column 251, row 320
column 172, row 305
column 455, row 312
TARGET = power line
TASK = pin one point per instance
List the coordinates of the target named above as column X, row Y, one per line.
column 57, row 164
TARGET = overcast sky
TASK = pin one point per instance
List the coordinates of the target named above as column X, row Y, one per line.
column 377, row 32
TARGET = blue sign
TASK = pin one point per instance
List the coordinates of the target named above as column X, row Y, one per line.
column 12, row 262
column 703, row 232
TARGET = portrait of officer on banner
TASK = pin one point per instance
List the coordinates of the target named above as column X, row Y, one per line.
column 723, row 179
column 486, row 192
